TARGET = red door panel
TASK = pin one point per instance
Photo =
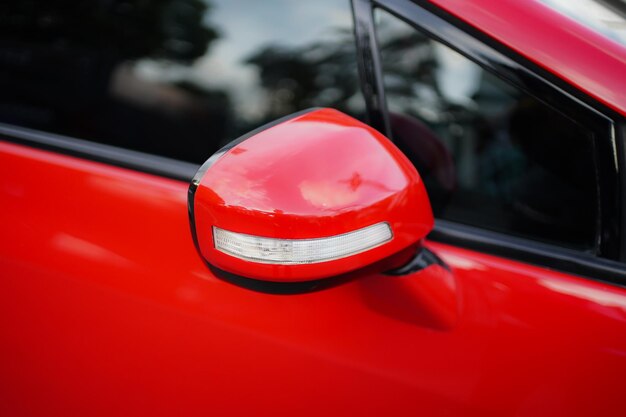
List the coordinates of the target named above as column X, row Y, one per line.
column 107, row 309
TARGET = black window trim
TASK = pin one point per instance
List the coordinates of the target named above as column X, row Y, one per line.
column 517, row 70
column 111, row 155
column 620, row 137
column 532, row 252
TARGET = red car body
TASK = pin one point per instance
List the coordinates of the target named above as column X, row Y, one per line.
column 106, row 308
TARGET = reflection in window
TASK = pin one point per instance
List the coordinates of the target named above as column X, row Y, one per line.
column 173, row 77
column 490, row 155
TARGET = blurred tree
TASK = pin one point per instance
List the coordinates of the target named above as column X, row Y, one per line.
column 161, row 29
column 71, row 67
column 322, row 73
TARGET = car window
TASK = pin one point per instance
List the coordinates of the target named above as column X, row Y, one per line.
column 490, row 155
column 177, row 78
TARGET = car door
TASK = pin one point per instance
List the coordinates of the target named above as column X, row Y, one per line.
column 106, row 308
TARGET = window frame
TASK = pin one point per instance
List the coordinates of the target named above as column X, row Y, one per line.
column 514, row 69
column 99, row 152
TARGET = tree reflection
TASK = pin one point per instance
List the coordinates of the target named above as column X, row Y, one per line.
column 68, row 68
column 139, row 74
column 127, row 29
column 502, row 149
column 320, row 74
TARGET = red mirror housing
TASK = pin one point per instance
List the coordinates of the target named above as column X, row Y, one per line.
column 313, row 195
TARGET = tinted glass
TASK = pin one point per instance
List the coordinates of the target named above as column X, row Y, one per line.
column 490, row 155
column 172, row 77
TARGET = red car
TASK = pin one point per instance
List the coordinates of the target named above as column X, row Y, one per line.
column 430, row 220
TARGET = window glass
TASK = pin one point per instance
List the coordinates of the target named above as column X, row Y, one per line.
column 173, row 77
column 490, row 155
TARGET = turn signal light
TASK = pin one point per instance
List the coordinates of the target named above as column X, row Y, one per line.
column 300, row 251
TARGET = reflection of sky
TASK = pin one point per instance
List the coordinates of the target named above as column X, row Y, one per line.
column 458, row 77
column 245, row 26
column 594, row 15
column 598, row 296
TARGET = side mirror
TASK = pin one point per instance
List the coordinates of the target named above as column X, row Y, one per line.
column 310, row 196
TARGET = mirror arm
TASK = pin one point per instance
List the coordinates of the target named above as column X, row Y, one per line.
column 423, row 259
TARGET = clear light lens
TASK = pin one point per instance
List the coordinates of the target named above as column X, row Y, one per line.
column 300, row 251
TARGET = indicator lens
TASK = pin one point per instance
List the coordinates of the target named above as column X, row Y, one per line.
column 300, row 251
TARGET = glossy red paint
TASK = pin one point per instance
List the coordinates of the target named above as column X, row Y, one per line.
column 107, row 309
column 319, row 174
column 591, row 62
